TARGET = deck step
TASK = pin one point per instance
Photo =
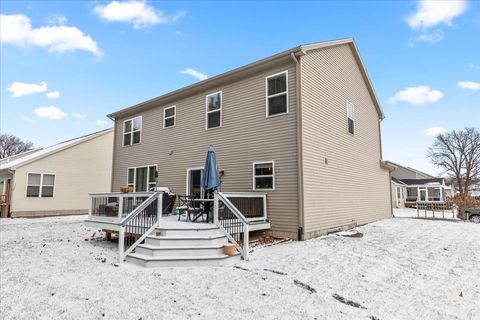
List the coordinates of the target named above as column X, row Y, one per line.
column 191, row 231
column 186, row 240
column 183, row 260
column 166, row 251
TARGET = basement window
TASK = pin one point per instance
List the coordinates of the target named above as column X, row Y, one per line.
column 132, row 129
column 214, row 110
column 277, row 94
column 263, row 176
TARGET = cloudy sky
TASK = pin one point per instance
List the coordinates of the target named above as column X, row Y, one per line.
column 65, row 65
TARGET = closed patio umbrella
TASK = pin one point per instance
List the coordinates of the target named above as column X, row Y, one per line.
column 210, row 180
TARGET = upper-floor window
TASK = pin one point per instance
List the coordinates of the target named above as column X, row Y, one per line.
column 214, row 110
column 142, row 178
column 169, row 115
column 132, row 129
column 277, row 94
column 350, row 117
column 40, row 185
column 263, row 176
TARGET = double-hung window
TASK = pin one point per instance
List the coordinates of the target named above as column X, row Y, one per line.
column 350, row 117
column 169, row 115
column 132, row 129
column 214, row 110
column 277, row 94
column 40, row 185
column 263, row 175
column 142, row 178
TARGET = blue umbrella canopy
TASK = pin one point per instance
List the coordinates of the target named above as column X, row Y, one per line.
column 210, row 180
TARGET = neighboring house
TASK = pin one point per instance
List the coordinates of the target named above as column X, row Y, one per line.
column 475, row 191
column 410, row 186
column 301, row 126
column 56, row 180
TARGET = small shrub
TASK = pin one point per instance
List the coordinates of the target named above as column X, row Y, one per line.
column 463, row 201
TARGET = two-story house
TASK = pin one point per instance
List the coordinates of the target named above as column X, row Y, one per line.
column 303, row 126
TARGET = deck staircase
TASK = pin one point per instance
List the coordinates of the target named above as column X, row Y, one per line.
column 183, row 247
column 148, row 238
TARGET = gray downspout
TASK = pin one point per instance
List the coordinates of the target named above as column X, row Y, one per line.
column 113, row 152
column 301, row 220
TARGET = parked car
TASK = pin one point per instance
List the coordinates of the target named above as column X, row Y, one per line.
column 470, row 214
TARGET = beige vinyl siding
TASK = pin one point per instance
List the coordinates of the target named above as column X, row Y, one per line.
column 79, row 170
column 352, row 188
column 406, row 173
column 246, row 136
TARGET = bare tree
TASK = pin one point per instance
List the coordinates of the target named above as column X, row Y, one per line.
column 11, row 145
column 458, row 154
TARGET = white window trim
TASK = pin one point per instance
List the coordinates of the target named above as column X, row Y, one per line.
column 255, row 176
column 187, row 182
column 166, row 118
column 131, row 132
column 275, row 95
column 41, row 184
column 348, row 103
column 219, row 110
column 135, row 174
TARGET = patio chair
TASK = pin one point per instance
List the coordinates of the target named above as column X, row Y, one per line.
column 195, row 209
column 188, row 206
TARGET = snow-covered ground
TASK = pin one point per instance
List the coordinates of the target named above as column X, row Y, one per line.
column 400, row 269
column 412, row 213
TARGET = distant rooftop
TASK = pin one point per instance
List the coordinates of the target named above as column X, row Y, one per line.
column 27, row 156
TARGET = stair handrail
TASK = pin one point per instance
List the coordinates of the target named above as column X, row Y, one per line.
column 138, row 209
column 244, row 250
column 122, row 253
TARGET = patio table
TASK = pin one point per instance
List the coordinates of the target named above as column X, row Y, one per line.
column 206, row 204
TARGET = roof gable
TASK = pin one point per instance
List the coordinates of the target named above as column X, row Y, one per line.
column 356, row 54
column 45, row 152
column 244, row 70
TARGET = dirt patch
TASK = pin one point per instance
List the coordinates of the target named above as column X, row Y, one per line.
column 347, row 302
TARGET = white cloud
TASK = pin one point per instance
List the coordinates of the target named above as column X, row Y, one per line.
column 432, row 37
column 194, row 73
column 138, row 13
column 469, row 85
column 51, row 113
column 20, row 89
column 79, row 115
column 434, row 131
column 101, row 123
column 417, row 95
column 57, row 19
column 16, row 29
column 53, row 94
column 431, row 13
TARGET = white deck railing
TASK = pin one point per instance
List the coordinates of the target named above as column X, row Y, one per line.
column 253, row 205
column 232, row 223
column 114, row 206
column 134, row 214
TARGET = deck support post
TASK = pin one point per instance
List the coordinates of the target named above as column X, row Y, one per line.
column 159, row 206
column 121, row 243
column 120, row 207
column 215, row 207
column 246, row 240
